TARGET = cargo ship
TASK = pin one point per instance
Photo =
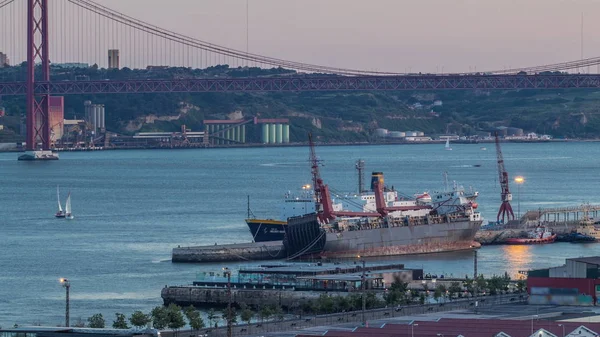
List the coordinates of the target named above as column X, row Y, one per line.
column 448, row 223
column 303, row 202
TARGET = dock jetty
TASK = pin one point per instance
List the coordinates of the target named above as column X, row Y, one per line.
column 251, row 251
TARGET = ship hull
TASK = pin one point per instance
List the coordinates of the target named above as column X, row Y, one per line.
column 404, row 240
column 266, row 230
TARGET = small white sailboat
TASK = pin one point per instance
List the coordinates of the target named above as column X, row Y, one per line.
column 60, row 213
column 68, row 213
column 448, row 144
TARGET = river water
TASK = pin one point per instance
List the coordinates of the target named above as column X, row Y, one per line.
column 132, row 207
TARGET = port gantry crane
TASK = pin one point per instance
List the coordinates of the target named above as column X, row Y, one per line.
column 506, row 197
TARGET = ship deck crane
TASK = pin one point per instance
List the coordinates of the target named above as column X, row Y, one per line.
column 324, row 205
column 505, row 208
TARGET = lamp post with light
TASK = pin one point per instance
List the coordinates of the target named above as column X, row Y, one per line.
column 67, row 285
column 563, row 326
column 227, row 272
column 363, row 288
column 532, row 317
column 519, row 180
column 412, row 329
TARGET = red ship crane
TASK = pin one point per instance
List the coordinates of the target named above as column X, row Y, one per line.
column 506, row 197
column 324, row 205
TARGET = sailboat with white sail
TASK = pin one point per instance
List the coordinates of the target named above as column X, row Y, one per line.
column 68, row 213
column 60, row 213
column 448, row 148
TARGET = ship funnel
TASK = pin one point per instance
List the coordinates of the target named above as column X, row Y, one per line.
column 376, row 176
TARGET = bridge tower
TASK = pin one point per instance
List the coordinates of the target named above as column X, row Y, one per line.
column 38, row 104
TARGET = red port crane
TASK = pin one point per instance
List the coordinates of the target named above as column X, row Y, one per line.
column 506, row 197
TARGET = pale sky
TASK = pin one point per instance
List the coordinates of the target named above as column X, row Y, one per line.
column 391, row 35
column 382, row 35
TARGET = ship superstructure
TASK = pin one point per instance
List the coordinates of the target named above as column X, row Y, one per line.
column 394, row 227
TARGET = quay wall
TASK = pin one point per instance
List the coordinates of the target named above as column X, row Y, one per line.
column 198, row 296
column 229, row 253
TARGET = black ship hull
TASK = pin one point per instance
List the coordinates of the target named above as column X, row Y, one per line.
column 266, row 230
column 304, row 236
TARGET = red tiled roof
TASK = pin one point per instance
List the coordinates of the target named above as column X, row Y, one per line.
column 466, row 327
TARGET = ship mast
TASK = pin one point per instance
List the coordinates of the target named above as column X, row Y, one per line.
column 360, row 167
column 505, row 208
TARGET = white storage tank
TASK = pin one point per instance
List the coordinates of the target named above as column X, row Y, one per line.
column 411, row 133
column 381, row 133
column 396, row 134
column 420, row 133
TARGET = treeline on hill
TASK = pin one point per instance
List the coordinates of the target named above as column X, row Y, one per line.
column 331, row 116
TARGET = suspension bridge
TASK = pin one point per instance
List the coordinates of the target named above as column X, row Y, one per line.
column 81, row 32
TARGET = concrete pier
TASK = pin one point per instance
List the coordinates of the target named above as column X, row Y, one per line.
column 272, row 250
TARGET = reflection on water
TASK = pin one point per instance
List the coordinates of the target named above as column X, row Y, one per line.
column 518, row 258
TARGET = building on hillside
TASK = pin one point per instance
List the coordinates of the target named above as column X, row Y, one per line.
column 577, row 282
column 56, row 117
column 4, row 61
column 113, row 59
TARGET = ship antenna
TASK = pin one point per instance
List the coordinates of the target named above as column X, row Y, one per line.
column 360, row 166
column 314, row 169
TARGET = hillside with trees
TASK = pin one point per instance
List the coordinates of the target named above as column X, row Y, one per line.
column 331, row 116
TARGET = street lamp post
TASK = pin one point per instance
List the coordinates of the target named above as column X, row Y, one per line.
column 228, row 273
column 364, row 297
column 532, row 317
column 67, row 285
column 412, row 329
column 563, row 326
column 519, row 180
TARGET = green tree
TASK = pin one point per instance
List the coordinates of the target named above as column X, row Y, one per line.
column 212, row 315
column 278, row 312
column 225, row 315
column 194, row 318
column 325, row 303
column 96, row 321
column 521, row 285
column 440, row 292
column 265, row 313
column 482, row 284
column 138, row 319
column 454, row 288
column 175, row 316
column 120, row 322
column 247, row 315
column 160, row 317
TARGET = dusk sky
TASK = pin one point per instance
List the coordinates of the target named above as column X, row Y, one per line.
column 391, row 35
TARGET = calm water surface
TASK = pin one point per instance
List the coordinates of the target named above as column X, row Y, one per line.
column 132, row 207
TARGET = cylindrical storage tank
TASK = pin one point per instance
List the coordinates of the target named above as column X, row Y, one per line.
column 381, row 133
column 236, row 133
column 243, row 135
column 411, row 134
column 420, row 133
column 286, row 133
column 96, row 117
column 272, row 133
column 221, row 134
column 228, row 135
column 102, row 119
column 279, row 138
column 396, row 134
column 265, row 133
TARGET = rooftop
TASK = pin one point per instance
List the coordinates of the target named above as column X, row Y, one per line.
column 589, row 260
